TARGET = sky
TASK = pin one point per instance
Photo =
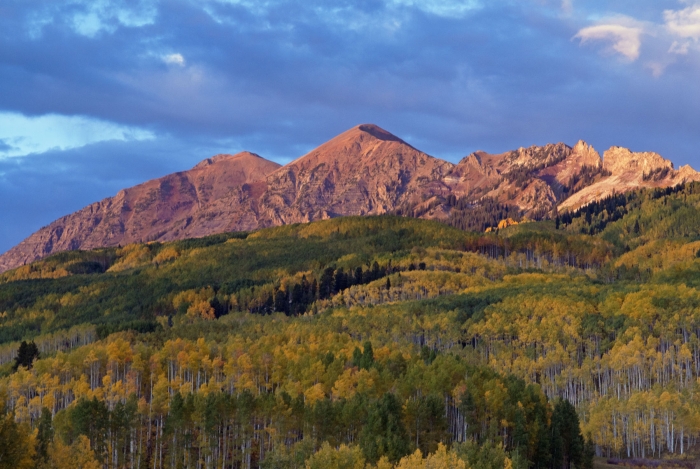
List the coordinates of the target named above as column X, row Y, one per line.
column 98, row 95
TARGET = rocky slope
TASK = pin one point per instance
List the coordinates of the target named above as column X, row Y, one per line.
column 162, row 209
column 363, row 171
column 534, row 179
column 625, row 171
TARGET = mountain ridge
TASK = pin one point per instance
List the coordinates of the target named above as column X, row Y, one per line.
column 365, row 170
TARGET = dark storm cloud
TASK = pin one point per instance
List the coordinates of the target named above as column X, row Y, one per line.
column 279, row 77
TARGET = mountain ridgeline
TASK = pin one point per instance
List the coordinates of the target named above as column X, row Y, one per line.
column 363, row 171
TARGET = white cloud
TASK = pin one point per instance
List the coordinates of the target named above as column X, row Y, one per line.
column 21, row 135
column 677, row 35
column 656, row 68
column 174, row 59
column 684, row 23
column 679, row 48
column 624, row 39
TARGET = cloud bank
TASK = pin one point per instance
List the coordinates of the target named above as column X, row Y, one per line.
column 21, row 135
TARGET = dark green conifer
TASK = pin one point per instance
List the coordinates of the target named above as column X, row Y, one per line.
column 384, row 434
column 27, row 353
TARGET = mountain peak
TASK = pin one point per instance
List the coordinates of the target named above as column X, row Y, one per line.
column 587, row 154
column 356, row 147
column 620, row 160
column 377, row 132
column 242, row 157
column 365, row 170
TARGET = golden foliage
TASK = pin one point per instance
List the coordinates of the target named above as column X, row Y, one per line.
column 345, row 457
column 79, row 455
column 441, row 459
column 130, row 256
column 166, row 254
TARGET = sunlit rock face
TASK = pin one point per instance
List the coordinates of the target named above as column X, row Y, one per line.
column 363, row 171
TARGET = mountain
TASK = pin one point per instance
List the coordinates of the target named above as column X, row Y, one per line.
column 163, row 209
column 363, row 171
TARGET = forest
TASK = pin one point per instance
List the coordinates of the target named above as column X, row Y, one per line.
column 364, row 342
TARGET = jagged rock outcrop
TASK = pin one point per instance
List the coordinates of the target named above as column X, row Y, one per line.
column 625, row 171
column 363, row 171
column 535, row 179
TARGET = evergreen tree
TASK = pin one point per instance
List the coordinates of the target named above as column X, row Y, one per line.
column 428, row 355
column 44, row 435
column 91, row 418
column 327, row 283
column 540, row 454
column 384, row 433
column 340, row 280
column 588, row 454
column 26, row 355
column 376, row 273
column 433, row 427
column 567, row 444
column 367, row 358
column 16, row 443
column 281, row 303
column 358, row 276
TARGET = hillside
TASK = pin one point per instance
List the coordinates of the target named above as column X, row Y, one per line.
column 363, row 171
column 294, row 345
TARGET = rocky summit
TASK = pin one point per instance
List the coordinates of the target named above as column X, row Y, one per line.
column 363, row 171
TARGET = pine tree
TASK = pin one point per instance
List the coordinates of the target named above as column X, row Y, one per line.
column 91, row 418
column 16, row 443
column 567, row 443
column 367, row 360
column 26, row 355
column 327, row 283
column 281, row 303
column 44, row 435
column 384, row 433
column 588, row 454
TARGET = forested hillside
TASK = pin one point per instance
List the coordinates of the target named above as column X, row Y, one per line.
column 379, row 341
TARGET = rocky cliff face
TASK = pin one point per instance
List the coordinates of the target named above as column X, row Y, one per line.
column 625, row 170
column 364, row 171
column 161, row 209
column 535, row 179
